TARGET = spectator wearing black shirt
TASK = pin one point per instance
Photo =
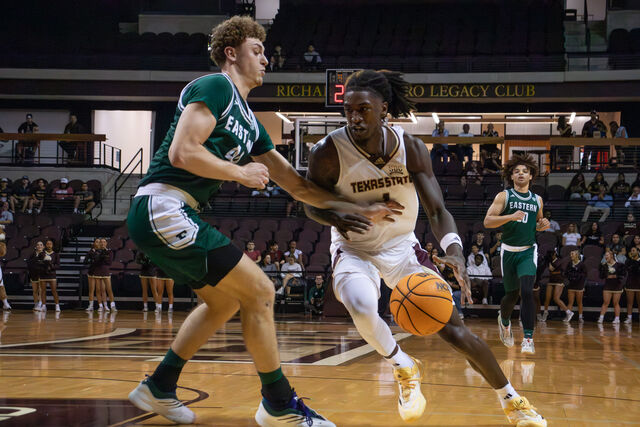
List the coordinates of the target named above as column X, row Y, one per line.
column 613, row 274
column 620, row 189
column 632, row 287
column 22, row 193
column 278, row 58
column 71, row 147
column 6, row 194
column 629, row 227
column 561, row 155
column 577, row 188
column 25, row 150
column 487, row 149
column 594, row 187
column 147, row 279
column 37, row 197
column 593, row 236
column 84, row 197
column 492, row 164
column 28, row 125
column 575, row 276
column 555, row 287
column 593, row 126
column 315, row 296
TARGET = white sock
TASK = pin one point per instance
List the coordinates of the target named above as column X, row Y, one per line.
column 601, row 317
column 617, row 318
column 170, row 305
column 400, row 359
column 5, row 301
column 580, row 316
column 568, row 311
column 505, row 394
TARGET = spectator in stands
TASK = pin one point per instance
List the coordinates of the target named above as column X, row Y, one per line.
column 83, row 197
column 632, row 286
column 479, row 240
column 571, row 237
column 629, row 227
column 63, row 191
column 28, row 125
column 601, row 203
column 490, row 131
column 291, row 273
column 561, row 155
column 471, row 259
column 563, row 127
column 495, row 248
column 620, row 189
column 428, row 247
column 465, row 150
column 6, row 194
column 22, row 194
column 598, row 181
column 593, row 236
column 6, row 217
column 278, row 59
column 34, row 268
column 480, row 274
column 619, row 132
column 577, row 188
column 147, row 277
column 315, row 296
column 311, row 59
column 487, row 149
column 91, row 259
column 50, row 263
column 634, row 200
column 269, row 267
column 162, row 281
column 104, row 257
column 555, row 286
column 71, row 147
column 554, row 227
column 37, row 196
column 492, row 164
column 474, row 174
column 575, row 276
column 634, row 243
column 440, row 150
column 3, row 292
column 593, row 125
column 295, row 253
column 277, row 256
column 613, row 274
column 252, row 252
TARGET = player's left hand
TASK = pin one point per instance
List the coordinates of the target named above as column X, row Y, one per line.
column 383, row 211
column 460, row 271
column 543, row 224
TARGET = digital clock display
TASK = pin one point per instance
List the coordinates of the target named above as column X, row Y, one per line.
column 336, row 80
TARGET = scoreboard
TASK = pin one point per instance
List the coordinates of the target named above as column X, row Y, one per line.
column 335, row 81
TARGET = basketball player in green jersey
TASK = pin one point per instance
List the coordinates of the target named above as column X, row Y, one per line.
column 519, row 212
column 213, row 138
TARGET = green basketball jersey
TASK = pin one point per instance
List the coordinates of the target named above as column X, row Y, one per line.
column 520, row 233
column 236, row 137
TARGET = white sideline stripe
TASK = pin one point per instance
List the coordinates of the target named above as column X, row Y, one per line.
column 117, row 332
column 341, row 358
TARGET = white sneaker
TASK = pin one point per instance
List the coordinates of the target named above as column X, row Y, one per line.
column 6, row 306
column 616, row 321
column 169, row 407
column 90, row 307
column 297, row 415
column 158, row 308
column 100, row 307
column 545, row 315
column 58, row 307
column 539, row 317
column 170, row 309
column 411, row 401
column 601, row 319
column 37, row 307
column 43, row 307
column 113, row 306
column 106, row 308
column 484, row 301
column 580, row 319
column 628, row 320
column 527, row 346
column 568, row 317
column 145, row 308
column 506, row 334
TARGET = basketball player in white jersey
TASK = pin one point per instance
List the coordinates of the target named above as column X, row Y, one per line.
column 368, row 161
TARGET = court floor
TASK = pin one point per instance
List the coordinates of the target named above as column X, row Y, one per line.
column 76, row 369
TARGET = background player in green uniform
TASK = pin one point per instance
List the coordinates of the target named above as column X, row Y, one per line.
column 519, row 212
column 214, row 138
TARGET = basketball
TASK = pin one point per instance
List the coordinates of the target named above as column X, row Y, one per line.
column 421, row 303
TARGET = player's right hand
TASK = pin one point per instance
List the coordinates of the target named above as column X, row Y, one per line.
column 254, row 175
column 346, row 222
column 383, row 211
column 518, row 216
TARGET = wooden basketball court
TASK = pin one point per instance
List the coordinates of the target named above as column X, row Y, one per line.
column 76, row 369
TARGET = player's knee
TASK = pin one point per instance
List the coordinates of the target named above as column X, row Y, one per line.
column 359, row 306
column 262, row 293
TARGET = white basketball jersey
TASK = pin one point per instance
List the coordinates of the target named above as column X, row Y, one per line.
column 362, row 181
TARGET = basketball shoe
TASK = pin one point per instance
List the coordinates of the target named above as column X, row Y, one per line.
column 506, row 334
column 527, row 346
column 521, row 413
column 148, row 398
column 411, row 401
column 297, row 414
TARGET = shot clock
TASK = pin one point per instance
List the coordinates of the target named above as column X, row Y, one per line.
column 336, row 80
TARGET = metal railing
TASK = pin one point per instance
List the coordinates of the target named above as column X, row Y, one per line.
column 118, row 185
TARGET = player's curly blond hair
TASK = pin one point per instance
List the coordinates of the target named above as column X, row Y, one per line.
column 233, row 32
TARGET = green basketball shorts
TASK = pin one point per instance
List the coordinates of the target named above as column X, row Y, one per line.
column 172, row 235
column 517, row 264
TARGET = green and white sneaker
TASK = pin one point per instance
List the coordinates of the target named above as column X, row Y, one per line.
column 148, row 398
column 297, row 414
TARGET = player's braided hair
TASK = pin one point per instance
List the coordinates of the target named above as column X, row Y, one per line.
column 389, row 85
column 516, row 160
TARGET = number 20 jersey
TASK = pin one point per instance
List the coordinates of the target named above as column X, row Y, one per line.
column 365, row 180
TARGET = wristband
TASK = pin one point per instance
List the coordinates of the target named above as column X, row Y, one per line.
column 448, row 240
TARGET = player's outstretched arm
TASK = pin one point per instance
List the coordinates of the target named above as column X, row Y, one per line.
column 441, row 220
column 283, row 174
column 493, row 219
column 187, row 152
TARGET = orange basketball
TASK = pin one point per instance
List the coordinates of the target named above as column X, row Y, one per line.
column 421, row 303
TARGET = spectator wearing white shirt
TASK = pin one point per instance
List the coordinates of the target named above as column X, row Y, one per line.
column 571, row 237
column 475, row 250
column 480, row 274
column 295, row 252
column 6, row 217
column 465, row 150
column 634, row 199
column 291, row 273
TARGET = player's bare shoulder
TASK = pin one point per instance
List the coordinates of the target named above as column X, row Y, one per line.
column 418, row 159
column 324, row 164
